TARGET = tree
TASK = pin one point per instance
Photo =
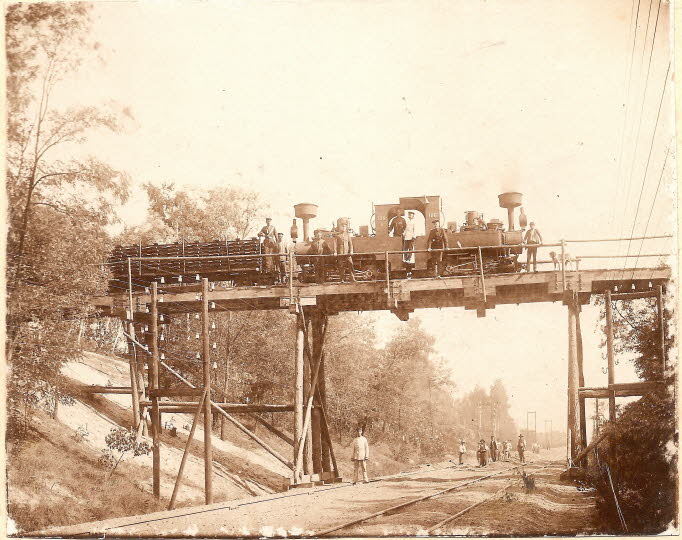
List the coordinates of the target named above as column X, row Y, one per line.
column 120, row 442
column 642, row 456
column 59, row 202
column 218, row 213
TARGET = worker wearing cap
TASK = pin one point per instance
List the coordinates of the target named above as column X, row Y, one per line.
column 397, row 225
column 269, row 235
column 408, row 243
column 532, row 239
column 438, row 240
column 344, row 252
column 283, row 249
column 462, row 452
column 319, row 247
column 360, row 456
column 521, row 448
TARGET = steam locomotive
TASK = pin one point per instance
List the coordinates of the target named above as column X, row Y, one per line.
column 474, row 246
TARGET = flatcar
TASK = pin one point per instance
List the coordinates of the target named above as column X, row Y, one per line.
column 474, row 246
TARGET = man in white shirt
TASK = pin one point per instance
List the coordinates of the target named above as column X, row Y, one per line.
column 408, row 243
column 462, row 451
column 283, row 249
column 360, row 456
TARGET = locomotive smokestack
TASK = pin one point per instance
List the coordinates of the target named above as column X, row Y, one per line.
column 510, row 200
column 305, row 211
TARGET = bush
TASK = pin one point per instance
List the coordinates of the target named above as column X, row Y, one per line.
column 644, row 470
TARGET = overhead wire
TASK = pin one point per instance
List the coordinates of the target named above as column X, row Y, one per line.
column 653, row 203
column 651, row 147
column 628, row 77
column 641, row 109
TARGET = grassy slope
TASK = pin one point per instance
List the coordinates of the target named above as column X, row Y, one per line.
column 55, row 480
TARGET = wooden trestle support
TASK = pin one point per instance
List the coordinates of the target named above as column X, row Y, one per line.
column 313, row 460
column 312, row 304
column 578, row 393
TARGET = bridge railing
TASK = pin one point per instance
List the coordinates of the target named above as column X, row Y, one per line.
column 560, row 260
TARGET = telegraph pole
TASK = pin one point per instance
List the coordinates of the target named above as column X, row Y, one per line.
column 535, row 423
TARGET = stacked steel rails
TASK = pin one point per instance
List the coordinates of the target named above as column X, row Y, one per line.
column 240, row 261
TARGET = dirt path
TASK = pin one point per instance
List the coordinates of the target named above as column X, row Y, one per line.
column 553, row 507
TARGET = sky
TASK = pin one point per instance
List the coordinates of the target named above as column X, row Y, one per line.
column 348, row 103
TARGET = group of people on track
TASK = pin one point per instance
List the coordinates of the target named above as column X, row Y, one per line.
column 494, row 451
column 485, row 453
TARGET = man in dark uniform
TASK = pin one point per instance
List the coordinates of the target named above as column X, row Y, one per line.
column 269, row 235
column 397, row 225
column 437, row 240
column 319, row 247
column 344, row 251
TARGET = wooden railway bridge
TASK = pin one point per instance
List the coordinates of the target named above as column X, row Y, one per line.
column 312, row 459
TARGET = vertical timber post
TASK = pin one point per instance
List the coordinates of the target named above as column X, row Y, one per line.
column 307, row 376
column 661, row 328
column 315, row 420
column 135, row 395
column 154, row 385
column 581, row 383
column 610, row 357
column 611, row 373
column 208, row 419
column 298, row 391
column 322, row 392
column 573, row 401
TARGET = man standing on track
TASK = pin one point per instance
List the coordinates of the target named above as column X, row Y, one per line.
column 521, row 448
column 462, row 451
column 493, row 448
column 482, row 453
column 360, row 456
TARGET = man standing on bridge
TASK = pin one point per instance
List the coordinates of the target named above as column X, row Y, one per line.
column 408, row 244
column 344, row 251
column 360, row 456
column 282, row 260
column 532, row 239
column 437, row 240
column 397, row 225
column 269, row 235
column 319, row 247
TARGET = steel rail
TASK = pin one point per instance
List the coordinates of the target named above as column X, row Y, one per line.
column 471, row 507
column 411, row 502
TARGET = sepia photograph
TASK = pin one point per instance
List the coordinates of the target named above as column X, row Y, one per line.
column 340, row 269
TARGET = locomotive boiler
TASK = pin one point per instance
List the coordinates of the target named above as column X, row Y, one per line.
column 472, row 243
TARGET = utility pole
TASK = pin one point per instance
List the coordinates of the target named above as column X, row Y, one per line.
column 535, row 423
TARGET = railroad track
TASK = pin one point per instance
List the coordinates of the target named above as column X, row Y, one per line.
column 398, row 509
